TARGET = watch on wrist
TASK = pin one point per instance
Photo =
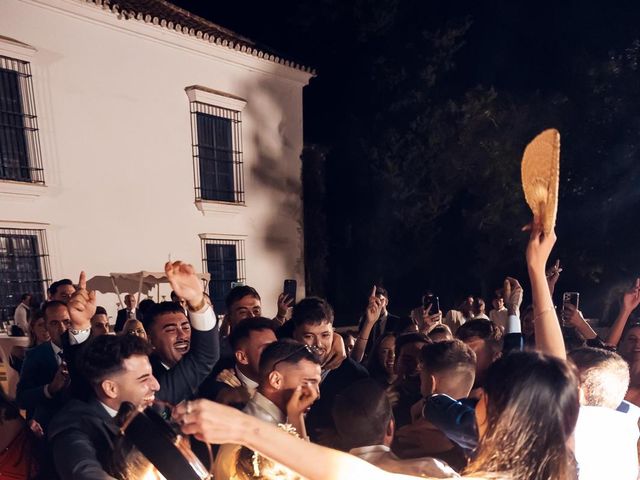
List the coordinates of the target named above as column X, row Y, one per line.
column 79, row 331
column 198, row 307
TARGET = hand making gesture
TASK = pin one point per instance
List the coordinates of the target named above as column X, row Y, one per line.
column 82, row 305
column 186, row 284
column 284, row 303
column 512, row 294
column 631, row 298
column 374, row 307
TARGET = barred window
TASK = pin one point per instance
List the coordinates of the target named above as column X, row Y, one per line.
column 19, row 144
column 224, row 260
column 217, row 153
column 24, row 267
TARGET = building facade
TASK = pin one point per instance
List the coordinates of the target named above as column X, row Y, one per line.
column 133, row 132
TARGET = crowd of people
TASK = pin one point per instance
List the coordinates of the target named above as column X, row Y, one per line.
column 467, row 394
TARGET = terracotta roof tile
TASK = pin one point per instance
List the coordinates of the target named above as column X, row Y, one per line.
column 168, row 15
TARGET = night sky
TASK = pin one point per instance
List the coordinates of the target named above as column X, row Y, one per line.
column 522, row 50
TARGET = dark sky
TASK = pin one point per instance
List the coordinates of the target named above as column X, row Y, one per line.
column 525, row 50
column 516, row 46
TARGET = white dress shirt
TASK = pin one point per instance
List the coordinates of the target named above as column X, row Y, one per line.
column 21, row 317
column 260, row 407
column 606, row 444
column 112, row 413
column 246, row 382
column 499, row 317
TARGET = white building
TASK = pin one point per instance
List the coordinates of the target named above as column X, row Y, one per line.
column 134, row 130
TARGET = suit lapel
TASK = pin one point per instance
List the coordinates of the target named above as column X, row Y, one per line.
column 103, row 415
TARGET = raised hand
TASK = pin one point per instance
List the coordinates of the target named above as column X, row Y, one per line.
column 553, row 274
column 512, row 294
column 433, row 318
column 539, row 247
column 60, row 379
column 185, row 283
column 374, row 307
column 631, row 298
column 284, row 303
column 36, row 428
column 82, row 305
column 209, row 421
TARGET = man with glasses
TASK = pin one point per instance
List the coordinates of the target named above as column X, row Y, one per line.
column 289, row 376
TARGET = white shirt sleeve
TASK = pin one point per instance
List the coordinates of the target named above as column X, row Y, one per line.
column 204, row 319
column 79, row 337
column 513, row 324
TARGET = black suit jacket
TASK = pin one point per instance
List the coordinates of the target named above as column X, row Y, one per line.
column 182, row 380
column 319, row 417
column 122, row 318
column 82, row 437
column 83, row 434
column 79, row 388
column 38, row 370
column 210, row 387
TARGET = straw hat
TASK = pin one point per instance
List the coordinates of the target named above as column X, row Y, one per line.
column 541, row 177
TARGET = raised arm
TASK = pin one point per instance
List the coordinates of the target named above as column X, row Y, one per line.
column 630, row 302
column 219, row 424
column 284, row 303
column 547, row 328
column 576, row 319
column 82, row 306
column 372, row 315
column 513, row 293
column 187, row 375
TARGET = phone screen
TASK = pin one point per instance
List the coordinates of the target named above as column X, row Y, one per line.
column 290, row 288
column 432, row 300
column 569, row 298
column 572, row 298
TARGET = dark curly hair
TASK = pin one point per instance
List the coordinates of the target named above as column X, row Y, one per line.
column 105, row 354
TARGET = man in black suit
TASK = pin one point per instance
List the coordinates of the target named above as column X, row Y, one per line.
column 185, row 351
column 119, row 370
column 83, row 434
column 131, row 312
column 44, row 378
column 241, row 372
column 313, row 325
column 385, row 323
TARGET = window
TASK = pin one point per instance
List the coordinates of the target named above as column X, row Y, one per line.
column 24, row 267
column 217, row 153
column 19, row 145
column 224, row 260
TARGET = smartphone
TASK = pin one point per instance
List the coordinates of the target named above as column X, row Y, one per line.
column 572, row 298
column 290, row 288
column 432, row 300
column 569, row 298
